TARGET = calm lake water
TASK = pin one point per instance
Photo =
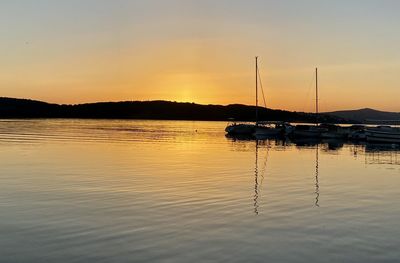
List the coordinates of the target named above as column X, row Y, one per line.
column 180, row 191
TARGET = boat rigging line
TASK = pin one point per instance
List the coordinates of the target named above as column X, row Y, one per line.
column 261, row 86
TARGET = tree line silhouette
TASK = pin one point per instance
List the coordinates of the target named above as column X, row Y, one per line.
column 157, row 110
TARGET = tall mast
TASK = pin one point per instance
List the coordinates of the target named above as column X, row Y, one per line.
column 316, row 95
column 256, row 90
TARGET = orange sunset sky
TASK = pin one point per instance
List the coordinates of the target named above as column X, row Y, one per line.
column 203, row 51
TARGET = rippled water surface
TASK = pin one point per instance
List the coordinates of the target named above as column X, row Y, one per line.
column 166, row 191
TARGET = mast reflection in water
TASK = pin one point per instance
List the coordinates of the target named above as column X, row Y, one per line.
column 373, row 154
column 316, row 177
column 259, row 175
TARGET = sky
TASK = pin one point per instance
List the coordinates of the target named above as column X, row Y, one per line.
column 203, row 51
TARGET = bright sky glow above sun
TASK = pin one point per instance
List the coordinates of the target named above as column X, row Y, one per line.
column 202, row 51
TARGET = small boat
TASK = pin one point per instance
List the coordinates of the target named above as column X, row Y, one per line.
column 308, row 131
column 334, row 132
column 357, row 132
column 240, row 128
column 245, row 128
column 383, row 134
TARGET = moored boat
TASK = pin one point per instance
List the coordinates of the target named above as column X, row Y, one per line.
column 383, row 134
column 357, row 132
column 247, row 129
column 308, row 131
column 334, row 131
column 240, row 128
column 258, row 129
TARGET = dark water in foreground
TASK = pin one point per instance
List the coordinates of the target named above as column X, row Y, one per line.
column 161, row 191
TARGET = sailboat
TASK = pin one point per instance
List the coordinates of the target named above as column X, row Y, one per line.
column 246, row 129
column 311, row 131
column 259, row 129
column 266, row 129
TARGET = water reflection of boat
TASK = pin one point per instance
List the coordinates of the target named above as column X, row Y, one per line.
column 239, row 137
column 381, row 147
column 317, row 177
column 382, row 153
column 333, row 144
column 256, row 182
column 328, row 145
column 259, row 175
column 307, row 142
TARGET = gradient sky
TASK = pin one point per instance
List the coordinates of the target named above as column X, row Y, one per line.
column 202, row 51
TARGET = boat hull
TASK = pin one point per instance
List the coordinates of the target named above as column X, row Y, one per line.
column 240, row 129
column 307, row 134
column 333, row 135
column 301, row 131
column 383, row 140
column 383, row 135
column 358, row 136
column 268, row 132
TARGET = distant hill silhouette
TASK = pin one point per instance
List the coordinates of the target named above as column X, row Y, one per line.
column 161, row 110
column 367, row 115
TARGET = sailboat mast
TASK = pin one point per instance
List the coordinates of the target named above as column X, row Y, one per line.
column 256, row 90
column 316, row 95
